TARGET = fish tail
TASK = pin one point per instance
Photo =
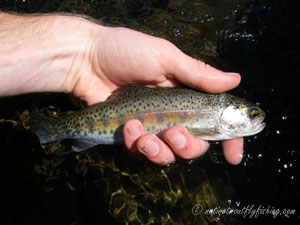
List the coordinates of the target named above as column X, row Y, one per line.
column 43, row 127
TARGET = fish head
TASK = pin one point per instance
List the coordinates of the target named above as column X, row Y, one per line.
column 241, row 118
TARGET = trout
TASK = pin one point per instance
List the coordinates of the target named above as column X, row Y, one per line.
column 208, row 116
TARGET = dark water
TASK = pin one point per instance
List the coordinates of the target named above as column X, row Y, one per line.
column 259, row 39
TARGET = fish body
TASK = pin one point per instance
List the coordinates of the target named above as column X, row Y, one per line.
column 208, row 116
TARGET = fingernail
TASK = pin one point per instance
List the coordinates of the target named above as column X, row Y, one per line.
column 134, row 132
column 151, row 148
column 232, row 74
column 177, row 140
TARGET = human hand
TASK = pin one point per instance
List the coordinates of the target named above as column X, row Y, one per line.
column 126, row 57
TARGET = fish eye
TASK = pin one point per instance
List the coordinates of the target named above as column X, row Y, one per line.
column 254, row 113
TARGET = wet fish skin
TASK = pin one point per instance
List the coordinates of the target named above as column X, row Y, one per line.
column 157, row 108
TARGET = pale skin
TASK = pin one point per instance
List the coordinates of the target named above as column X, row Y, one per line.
column 57, row 53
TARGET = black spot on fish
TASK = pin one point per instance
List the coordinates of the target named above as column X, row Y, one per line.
column 90, row 122
column 76, row 125
column 104, row 132
column 111, row 131
column 100, row 132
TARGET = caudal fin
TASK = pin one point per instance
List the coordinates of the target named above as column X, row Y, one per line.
column 43, row 127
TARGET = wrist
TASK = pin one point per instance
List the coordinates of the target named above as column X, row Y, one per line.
column 43, row 53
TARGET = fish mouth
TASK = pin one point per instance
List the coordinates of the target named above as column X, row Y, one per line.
column 259, row 127
column 256, row 127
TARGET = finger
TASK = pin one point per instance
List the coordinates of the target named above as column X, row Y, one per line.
column 184, row 144
column 197, row 74
column 233, row 150
column 132, row 130
column 155, row 149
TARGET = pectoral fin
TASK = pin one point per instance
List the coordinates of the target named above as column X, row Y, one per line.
column 79, row 145
column 201, row 133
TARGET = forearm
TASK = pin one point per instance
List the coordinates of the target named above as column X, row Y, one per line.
column 42, row 53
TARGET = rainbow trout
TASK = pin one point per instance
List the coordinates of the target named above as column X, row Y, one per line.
column 208, row 116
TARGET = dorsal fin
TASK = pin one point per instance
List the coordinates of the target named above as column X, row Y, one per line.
column 124, row 91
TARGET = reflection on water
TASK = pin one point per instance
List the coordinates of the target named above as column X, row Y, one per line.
column 258, row 38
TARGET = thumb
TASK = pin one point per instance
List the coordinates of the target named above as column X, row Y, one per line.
column 197, row 74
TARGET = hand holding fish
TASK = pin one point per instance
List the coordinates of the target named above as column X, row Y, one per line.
column 74, row 55
column 126, row 57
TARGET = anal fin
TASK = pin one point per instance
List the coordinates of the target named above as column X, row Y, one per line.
column 79, row 145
